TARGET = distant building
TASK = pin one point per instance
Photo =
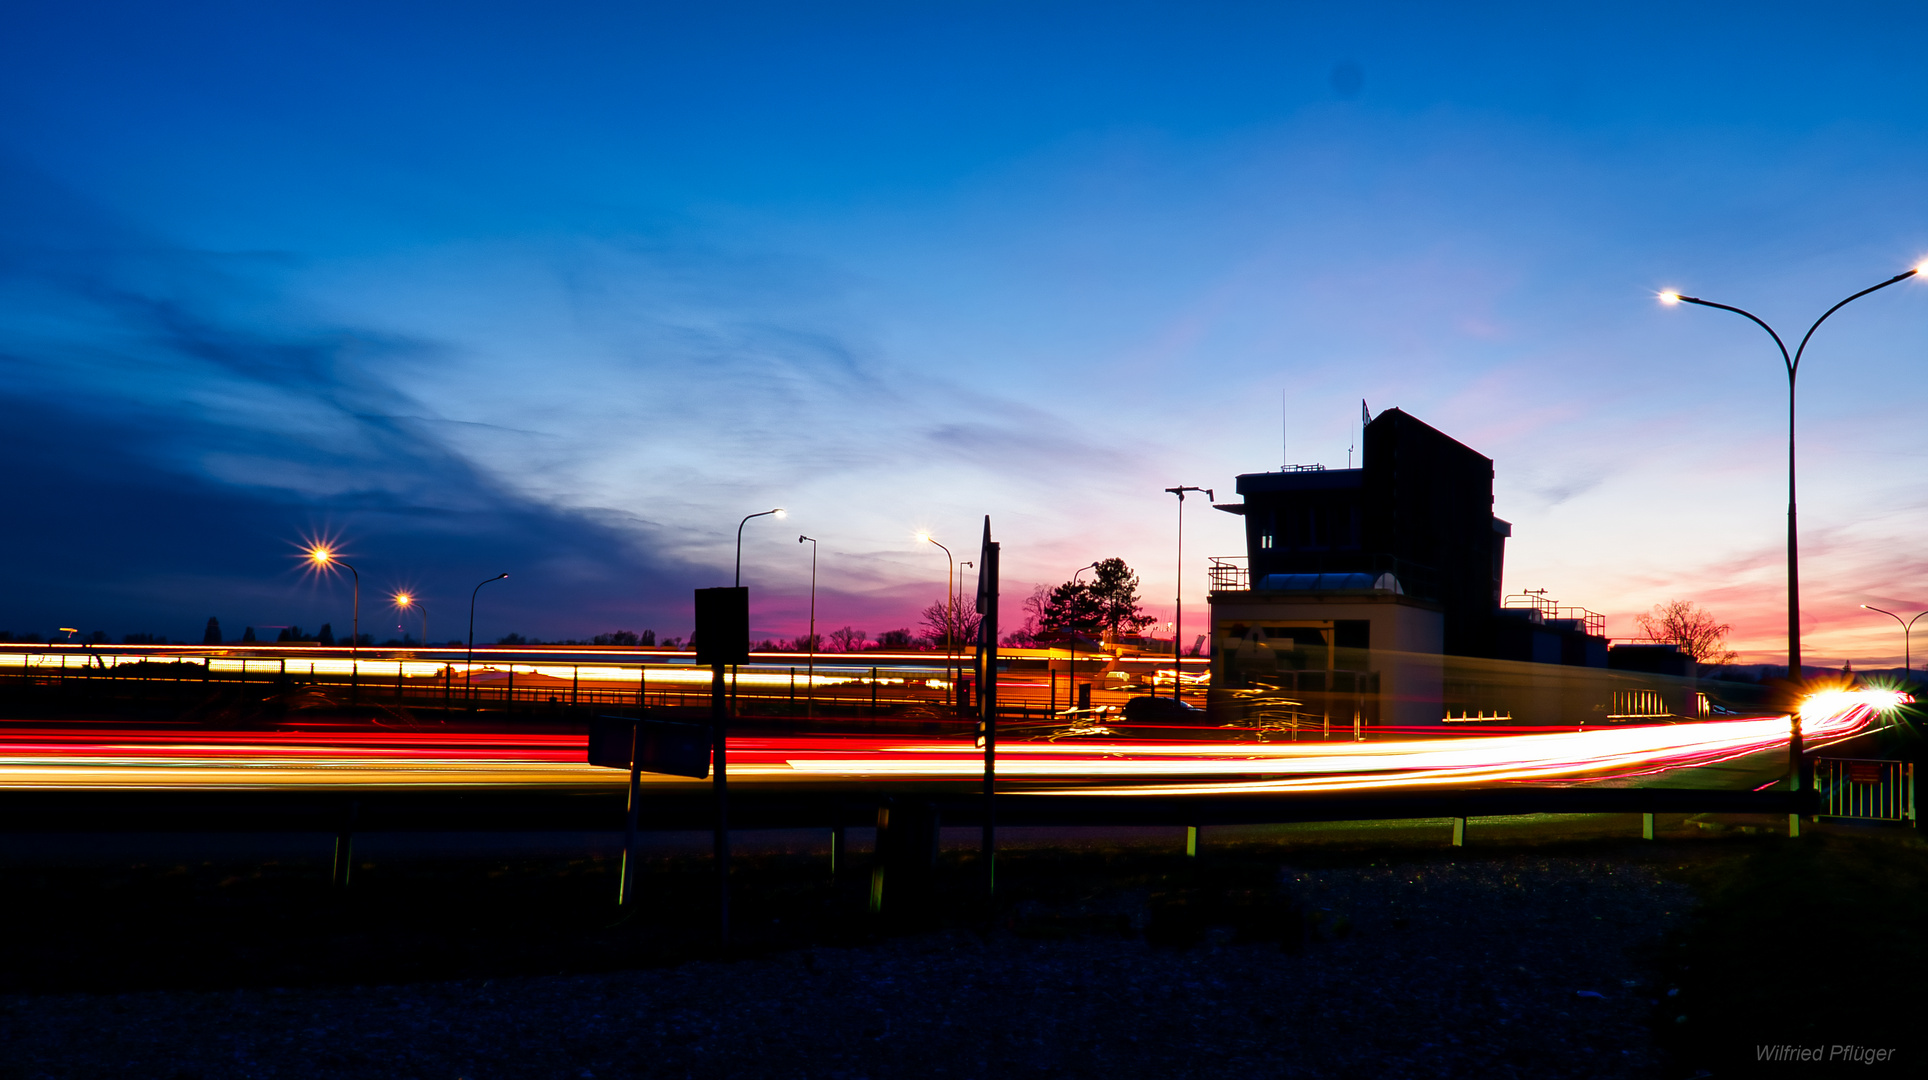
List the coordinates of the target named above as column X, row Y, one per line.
column 1372, row 596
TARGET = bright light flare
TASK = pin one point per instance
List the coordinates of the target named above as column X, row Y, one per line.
column 1819, row 706
column 403, row 599
column 1670, row 298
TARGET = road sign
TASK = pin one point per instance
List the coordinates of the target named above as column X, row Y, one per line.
column 662, row 746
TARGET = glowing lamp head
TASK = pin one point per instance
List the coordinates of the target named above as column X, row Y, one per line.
column 923, row 537
column 320, row 556
column 403, row 599
column 1670, row 298
column 1922, row 268
column 781, row 513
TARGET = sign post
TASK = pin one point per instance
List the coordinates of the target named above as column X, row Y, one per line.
column 645, row 745
column 987, row 698
column 722, row 638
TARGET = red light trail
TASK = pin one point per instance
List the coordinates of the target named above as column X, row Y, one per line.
column 53, row 759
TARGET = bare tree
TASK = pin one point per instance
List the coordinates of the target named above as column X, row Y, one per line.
column 847, row 640
column 951, row 623
column 1694, row 629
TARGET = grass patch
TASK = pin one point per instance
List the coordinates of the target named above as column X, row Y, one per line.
column 1815, row 942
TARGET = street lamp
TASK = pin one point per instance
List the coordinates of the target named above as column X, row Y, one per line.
column 1178, row 605
column 1793, row 365
column 468, row 662
column 405, row 601
column 323, row 557
column 950, row 610
column 780, row 513
column 810, row 680
column 1907, row 628
column 1071, row 685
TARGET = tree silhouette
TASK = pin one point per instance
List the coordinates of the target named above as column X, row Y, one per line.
column 1679, row 622
column 326, row 635
column 951, row 623
column 1114, row 588
column 213, row 634
column 848, row 640
column 247, row 634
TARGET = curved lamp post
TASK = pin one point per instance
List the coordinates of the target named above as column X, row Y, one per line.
column 468, row 662
column 324, row 557
column 780, row 512
column 407, row 601
column 950, row 609
column 1071, row 686
column 1793, row 365
column 1178, row 605
column 810, row 680
column 1907, row 630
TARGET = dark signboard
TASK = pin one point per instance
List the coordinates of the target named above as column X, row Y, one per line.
column 663, row 746
column 723, row 626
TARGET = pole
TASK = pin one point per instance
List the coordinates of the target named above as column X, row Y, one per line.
column 468, row 662
column 1795, row 671
column 1178, row 605
column 738, row 581
column 626, row 890
column 950, row 616
column 719, row 784
column 810, row 670
column 1071, row 674
column 987, row 595
column 1907, row 630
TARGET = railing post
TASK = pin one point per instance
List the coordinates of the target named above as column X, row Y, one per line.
column 1191, row 841
column 1459, row 832
column 1646, row 826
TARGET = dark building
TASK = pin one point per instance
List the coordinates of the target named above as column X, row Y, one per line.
column 1419, row 508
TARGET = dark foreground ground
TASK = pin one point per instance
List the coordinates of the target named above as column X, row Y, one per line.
column 1595, row 958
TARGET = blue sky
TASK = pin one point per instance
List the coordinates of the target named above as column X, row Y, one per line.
column 565, row 290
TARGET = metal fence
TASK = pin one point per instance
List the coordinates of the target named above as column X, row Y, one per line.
column 1866, row 789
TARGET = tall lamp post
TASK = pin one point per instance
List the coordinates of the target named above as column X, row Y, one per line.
column 323, row 556
column 955, row 627
column 1178, row 605
column 810, row 680
column 950, row 628
column 1071, row 677
column 1907, row 629
column 779, row 513
column 405, row 601
column 468, row 663
column 1793, row 365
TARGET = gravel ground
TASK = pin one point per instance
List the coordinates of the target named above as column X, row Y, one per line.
column 1502, row 965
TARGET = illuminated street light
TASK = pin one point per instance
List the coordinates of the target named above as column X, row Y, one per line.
column 1178, row 606
column 1793, row 365
column 1907, row 629
column 810, row 680
column 468, row 663
column 324, row 557
column 780, row 513
column 406, row 601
